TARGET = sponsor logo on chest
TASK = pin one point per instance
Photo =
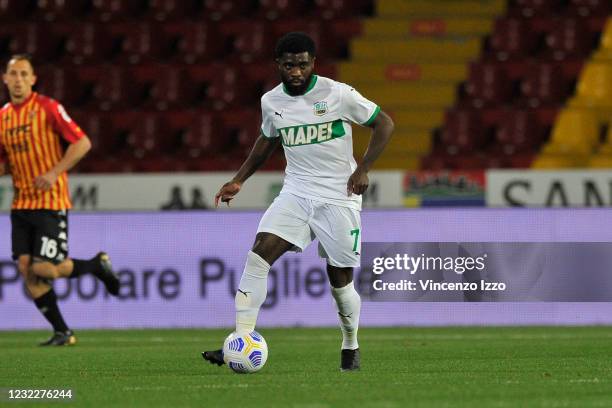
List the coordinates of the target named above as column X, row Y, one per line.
column 310, row 134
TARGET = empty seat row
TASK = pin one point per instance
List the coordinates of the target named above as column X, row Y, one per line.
column 556, row 38
column 537, row 8
column 237, row 40
column 530, row 83
column 505, row 131
column 160, row 86
column 185, row 133
column 164, row 10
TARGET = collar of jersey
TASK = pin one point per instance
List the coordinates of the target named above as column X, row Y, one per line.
column 311, row 85
column 24, row 103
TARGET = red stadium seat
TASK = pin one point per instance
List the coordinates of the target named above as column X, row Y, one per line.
column 218, row 86
column 463, row 131
column 59, row 10
column 60, row 84
column 334, row 9
column 241, row 127
column 200, row 133
column 164, row 10
column 84, row 42
column 588, row 8
column 487, row 85
column 518, row 131
column 532, row 8
column 110, row 87
column 110, row 164
column 143, row 133
column 193, row 42
column 222, row 9
column 249, row 40
column 542, row 84
column 35, row 39
column 568, row 38
column 161, row 164
column 512, row 38
column 281, row 9
column 161, row 86
column 136, row 42
column 11, row 11
column 117, row 10
column 104, row 142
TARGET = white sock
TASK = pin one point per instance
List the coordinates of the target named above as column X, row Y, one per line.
column 349, row 307
column 251, row 292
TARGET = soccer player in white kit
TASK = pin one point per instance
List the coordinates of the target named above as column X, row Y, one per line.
column 311, row 117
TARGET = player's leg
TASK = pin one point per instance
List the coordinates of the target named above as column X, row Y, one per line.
column 23, row 237
column 283, row 227
column 338, row 230
column 51, row 253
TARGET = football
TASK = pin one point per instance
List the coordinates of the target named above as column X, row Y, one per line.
column 245, row 352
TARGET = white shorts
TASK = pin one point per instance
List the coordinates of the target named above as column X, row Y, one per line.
column 299, row 220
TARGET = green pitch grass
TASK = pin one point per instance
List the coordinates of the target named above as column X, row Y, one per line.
column 401, row 367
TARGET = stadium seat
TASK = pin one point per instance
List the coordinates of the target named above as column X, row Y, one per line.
column 84, row 42
column 242, row 128
column 60, row 84
column 463, row 131
column 512, row 38
column 332, row 10
column 568, row 38
column 518, row 131
column 575, row 132
column 117, row 10
column 136, row 42
column 165, row 10
column 542, row 84
column 144, row 134
column 31, row 38
column 161, row 86
column 59, row 10
column 190, row 43
column 11, row 11
column 281, row 9
column 249, row 40
column 223, row 9
column 109, row 87
column 161, row 163
column 487, row 85
column 587, row 8
column 217, row 86
column 104, row 142
column 533, row 8
column 201, row 133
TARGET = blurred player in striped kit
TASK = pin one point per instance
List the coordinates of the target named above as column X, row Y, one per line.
column 32, row 129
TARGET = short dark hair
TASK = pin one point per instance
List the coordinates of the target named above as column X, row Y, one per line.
column 19, row 57
column 294, row 43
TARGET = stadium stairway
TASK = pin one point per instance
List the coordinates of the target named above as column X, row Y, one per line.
column 410, row 59
column 582, row 135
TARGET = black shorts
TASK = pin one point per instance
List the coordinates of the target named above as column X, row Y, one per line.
column 40, row 233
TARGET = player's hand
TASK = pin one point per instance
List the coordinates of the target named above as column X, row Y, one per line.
column 357, row 183
column 45, row 181
column 227, row 192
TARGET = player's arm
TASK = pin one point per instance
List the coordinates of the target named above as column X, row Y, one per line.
column 72, row 133
column 263, row 148
column 382, row 128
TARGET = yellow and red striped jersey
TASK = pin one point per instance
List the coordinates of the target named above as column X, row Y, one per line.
column 30, row 135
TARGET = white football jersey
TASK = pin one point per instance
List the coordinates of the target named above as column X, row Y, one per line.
column 316, row 134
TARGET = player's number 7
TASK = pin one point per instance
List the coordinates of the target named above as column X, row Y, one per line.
column 356, row 233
